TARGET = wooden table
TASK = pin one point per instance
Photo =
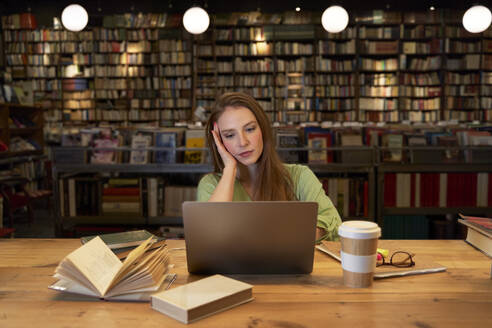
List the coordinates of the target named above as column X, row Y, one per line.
column 459, row 297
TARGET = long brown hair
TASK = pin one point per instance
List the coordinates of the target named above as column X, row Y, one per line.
column 273, row 181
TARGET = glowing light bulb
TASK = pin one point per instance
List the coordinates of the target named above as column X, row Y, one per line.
column 477, row 19
column 335, row 19
column 196, row 20
column 74, row 17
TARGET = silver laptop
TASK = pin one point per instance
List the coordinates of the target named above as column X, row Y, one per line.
column 250, row 237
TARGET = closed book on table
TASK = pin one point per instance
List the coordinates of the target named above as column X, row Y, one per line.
column 122, row 239
column 479, row 233
column 202, row 298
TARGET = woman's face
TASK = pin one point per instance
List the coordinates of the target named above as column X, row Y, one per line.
column 241, row 134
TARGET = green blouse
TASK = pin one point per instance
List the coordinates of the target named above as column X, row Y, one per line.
column 307, row 188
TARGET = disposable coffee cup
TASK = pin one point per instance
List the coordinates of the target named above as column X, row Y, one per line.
column 359, row 252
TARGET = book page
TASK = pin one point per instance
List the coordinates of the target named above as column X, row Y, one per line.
column 126, row 265
column 97, row 263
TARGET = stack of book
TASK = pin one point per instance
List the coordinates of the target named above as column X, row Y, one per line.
column 121, row 197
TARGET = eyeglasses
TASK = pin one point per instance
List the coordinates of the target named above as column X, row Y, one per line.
column 398, row 259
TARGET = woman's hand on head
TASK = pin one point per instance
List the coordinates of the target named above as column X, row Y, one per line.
column 227, row 158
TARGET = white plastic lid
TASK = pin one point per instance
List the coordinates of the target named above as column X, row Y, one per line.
column 359, row 230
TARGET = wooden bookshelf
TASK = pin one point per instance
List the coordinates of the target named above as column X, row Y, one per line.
column 385, row 66
column 31, row 133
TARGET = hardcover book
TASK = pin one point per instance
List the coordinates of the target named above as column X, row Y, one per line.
column 202, row 298
column 122, row 239
column 166, row 140
column 479, row 233
column 140, row 141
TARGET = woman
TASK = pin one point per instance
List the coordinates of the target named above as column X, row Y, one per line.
column 247, row 166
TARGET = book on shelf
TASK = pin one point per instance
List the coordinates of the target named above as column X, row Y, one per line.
column 394, row 141
column 202, row 298
column 450, row 155
column 140, row 141
column 94, row 270
column 155, row 196
column 322, row 141
column 195, row 138
column 122, row 197
column 174, row 196
column 453, row 189
column 422, row 265
column 165, row 139
column 349, row 195
column 479, row 232
column 348, row 139
column 122, row 239
column 288, row 137
column 104, row 139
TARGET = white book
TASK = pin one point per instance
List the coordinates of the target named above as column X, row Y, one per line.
column 202, row 298
column 406, row 190
column 72, row 206
column 417, row 189
column 443, row 189
column 482, row 189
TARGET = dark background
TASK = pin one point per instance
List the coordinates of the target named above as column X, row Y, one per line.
column 123, row 6
column 45, row 10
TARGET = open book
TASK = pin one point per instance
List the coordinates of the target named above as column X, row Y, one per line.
column 421, row 266
column 94, row 270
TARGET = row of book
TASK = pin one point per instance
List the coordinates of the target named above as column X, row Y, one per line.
column 349, row 195
column 415, row 190
column 121, row 115
column 392, row 136
column 240, row 34
column 122, row 197
column 34, row 171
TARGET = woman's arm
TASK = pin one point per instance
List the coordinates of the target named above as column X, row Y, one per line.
column 224, row 191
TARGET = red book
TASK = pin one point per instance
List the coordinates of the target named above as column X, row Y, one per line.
column 390, row 190
column 121, row 191
column 437, row 188
column 453, row 179
column 425, row 189
column 472, row 180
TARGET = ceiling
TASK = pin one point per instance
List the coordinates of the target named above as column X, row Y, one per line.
column 105, row 7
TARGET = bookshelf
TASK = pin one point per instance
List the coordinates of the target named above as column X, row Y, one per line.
column 21, row 129
column 386, row 66
column 378, row 48
column 408, row 194
column 486, row 78
column 421, row 67
column 463, row 56
column 336, row 84
column 125, row 74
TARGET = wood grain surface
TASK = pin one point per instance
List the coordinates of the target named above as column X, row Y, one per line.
column 459, row 297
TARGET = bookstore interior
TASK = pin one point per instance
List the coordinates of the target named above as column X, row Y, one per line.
column 102, row 113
